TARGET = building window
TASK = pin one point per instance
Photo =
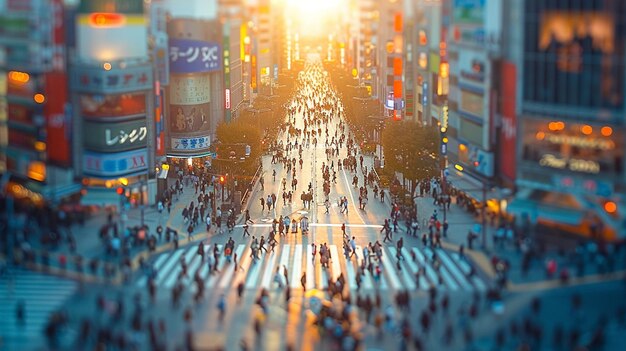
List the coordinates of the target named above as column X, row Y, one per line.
column 574, row 56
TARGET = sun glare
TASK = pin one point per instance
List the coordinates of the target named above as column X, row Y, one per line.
column 312, row 15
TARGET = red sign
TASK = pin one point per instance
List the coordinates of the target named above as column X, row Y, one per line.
column 508, row 131
column 58, row 36
column 100, row 106
column 20, row 5
column 57, row 125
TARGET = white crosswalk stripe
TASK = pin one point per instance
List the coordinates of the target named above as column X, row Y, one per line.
column 173, row 260
column 458, row 275
column 452, row 272
column 269, row 271
column 335, row 265
column 409, row 280
column 296, row 272
column 42, row 295
column 389, row 271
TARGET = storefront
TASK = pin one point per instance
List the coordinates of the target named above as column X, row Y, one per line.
column 113, row 104
column 572, row 172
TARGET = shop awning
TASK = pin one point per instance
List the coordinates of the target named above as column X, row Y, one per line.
column 535, row 210
column 60, row 191
column 471, row 186
column 101, row 197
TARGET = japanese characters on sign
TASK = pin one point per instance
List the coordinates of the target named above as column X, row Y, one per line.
column 113, row 137
column 131, row 79
column 191, row 56
column 190, row 90
column 117, row 164
column 190, row 144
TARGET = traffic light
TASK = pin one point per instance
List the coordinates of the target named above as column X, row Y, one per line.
column 120, row 190
column 222, row 179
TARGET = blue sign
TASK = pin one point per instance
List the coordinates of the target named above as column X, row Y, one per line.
column 192, row 56
column 190, row 144
column 425, row 94
column 115, row 164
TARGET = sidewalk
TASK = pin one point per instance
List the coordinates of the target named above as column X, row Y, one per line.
column 90, row 247
column 461, row 222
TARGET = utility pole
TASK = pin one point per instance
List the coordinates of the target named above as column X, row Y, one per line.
column 484, row 217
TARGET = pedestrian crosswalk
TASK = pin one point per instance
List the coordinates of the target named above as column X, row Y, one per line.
column 41, row 295
column 416, row 268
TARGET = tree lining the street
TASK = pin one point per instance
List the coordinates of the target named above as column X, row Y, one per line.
column 412, row 150
column 254, row 129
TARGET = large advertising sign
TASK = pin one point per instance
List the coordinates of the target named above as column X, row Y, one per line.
column 100, row 81
column 193, row 56
column 98, row 106
column 115, row 165
column 469, row 21
column 117, row 6
column 115, row 137
column 57, row 123
column 508, row 130
column 189, row 119
column 189, row 124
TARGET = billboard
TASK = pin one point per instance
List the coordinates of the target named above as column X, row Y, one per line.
column 130, row 79
column 117, row 105
column 115, row 137
column 468, row 18
column 189, row 119
column 118, row 6
column 188, row 122
column 57, row 123
column 193, row 56
column 508, row 131
column 190, row 144
column 115, row 165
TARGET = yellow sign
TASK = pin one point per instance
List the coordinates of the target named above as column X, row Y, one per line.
column 355, row 72
column 575, row 165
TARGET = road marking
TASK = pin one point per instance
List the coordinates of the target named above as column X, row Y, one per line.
column 390, row 272
column 310, row 276
column 157, row 266
column 253, row 273
column 230, row 272
column 297, row 267
column 414, row 268
column 171, row 261
column 173, row 275
column 367, row 277
column 429, row 271
column 268, row 225
column 244, row 262
column 447, row 278
column 269, row 271
column 284, row 259
column 336, row 267
column 408, row 279
column 478, row 283
column 460, row 278
column 216, row 276
column 349, row 186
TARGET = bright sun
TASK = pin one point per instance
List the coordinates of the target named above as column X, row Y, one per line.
column 312, row 14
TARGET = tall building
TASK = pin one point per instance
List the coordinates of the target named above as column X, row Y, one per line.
column 112, row 98
column 570, row 128
column 195, row 97
column 469, row 114
column 367, row 44
column 35, row 119
column 234, row 30
column 390, row 58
